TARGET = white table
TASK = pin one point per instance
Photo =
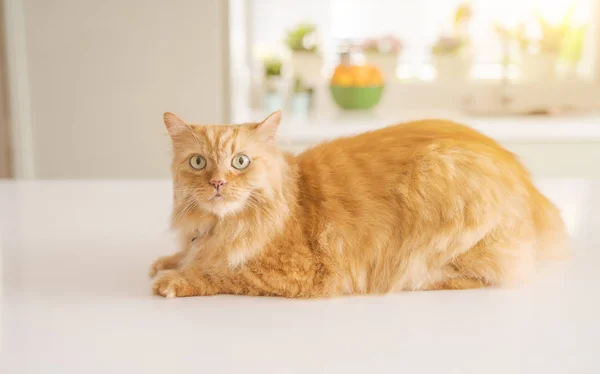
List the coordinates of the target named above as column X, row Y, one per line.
column 76, row 299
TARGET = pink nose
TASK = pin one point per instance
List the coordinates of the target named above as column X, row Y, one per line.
column 218, row 184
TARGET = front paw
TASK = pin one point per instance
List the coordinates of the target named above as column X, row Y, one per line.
column 163, row 263
column 172, row 284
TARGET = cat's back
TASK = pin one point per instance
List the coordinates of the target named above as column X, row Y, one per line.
column 416, row 205
column 435, row 158
column 406, row 142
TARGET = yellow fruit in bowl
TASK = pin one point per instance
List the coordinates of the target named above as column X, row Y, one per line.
column 343, row 76
column 356, row 86
column 361, row 76
column 376, row 76
column 356, row 76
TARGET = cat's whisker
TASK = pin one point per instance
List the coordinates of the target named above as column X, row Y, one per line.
column 276, row 203
column 264, row 211
column 189, row 204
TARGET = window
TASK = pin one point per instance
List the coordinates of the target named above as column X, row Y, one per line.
column 420, row 23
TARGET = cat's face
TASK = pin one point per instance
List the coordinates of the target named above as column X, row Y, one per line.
column 220, row 168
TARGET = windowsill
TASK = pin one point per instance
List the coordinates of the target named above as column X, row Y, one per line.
column 484, row 111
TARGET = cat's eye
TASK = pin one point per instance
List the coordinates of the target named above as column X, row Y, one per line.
column 197, row 162
column 240, row 161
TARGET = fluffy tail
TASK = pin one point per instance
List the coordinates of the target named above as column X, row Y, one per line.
column 552, row 237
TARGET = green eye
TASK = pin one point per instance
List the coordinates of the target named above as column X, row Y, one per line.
column 197, row 162
column 240, row 161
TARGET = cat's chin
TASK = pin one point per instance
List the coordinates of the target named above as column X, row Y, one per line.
column 221, row 207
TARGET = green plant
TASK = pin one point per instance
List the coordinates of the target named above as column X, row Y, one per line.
column 564, row 39
column 300, row 87
column 388, row 44
column 572, row 47
column 303, row 38
column 463, row 13
column 552, row 35
column 447, row 45
column 272, row 67
column 458, row 40
column 462, row 18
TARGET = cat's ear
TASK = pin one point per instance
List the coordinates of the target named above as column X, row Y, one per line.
column 174, row 124
column 267, row 129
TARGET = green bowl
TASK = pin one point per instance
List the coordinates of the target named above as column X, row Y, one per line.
column 356, row 97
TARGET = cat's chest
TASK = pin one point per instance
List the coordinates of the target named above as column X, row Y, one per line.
column 227, row 246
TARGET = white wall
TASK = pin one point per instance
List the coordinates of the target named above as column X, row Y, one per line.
column 101, row 73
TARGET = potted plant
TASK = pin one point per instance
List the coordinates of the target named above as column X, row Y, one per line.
column 301, row 98
column 540, row 57
column 306, row 61
column 383, row 52
column 572, row 49
column 451, row 58
column 273, row 83
column 451, row 53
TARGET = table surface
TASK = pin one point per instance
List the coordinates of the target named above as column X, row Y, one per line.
column 75, row 298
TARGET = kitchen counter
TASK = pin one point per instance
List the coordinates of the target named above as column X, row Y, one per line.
column 510, row 128
column 75, row 298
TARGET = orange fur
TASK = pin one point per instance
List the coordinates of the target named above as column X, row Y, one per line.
column 418, row 206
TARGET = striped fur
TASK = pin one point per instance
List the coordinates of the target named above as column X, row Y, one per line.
column 425, row 205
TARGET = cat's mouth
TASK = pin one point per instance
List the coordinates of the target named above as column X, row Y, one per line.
column 216, row 196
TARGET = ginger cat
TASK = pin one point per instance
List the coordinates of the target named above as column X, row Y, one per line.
column 426, row 205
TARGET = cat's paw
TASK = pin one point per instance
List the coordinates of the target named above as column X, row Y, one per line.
column 162, row 263
column 171, row 284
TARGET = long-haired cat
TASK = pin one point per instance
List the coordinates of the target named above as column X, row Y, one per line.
column 425, row 205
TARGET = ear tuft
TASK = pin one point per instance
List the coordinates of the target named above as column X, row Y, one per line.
column 171, row 120
column 173, row 123
column 267, row 129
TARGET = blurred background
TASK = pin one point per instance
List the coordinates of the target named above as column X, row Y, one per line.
column 84, row 83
